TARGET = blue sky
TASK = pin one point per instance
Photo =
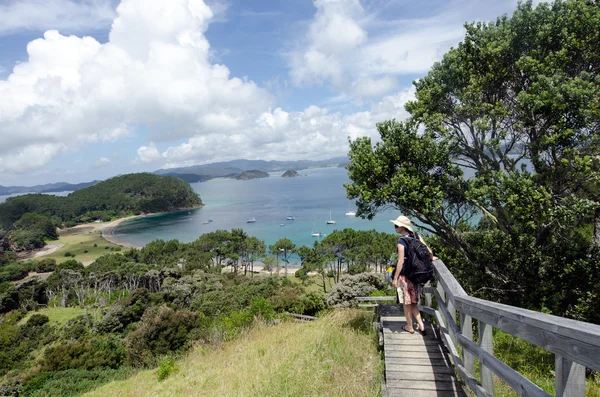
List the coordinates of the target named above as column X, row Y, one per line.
column 94, row 88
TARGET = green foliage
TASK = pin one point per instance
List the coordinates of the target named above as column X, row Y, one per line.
column 162, row 331
column 118, row 196
column 9, row 297
column 263, row 308
column 45, row 266
column 71, row 382
column 499, row 159
column 166, row 368
column 70, row 264
column 85, row 353
column 13, row 272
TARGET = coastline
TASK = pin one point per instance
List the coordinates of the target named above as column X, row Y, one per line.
column 108, row 230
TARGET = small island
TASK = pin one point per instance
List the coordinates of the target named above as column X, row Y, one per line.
column 252, row 174
column 290, row 174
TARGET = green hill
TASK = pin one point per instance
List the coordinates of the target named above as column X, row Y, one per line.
column 333, row 356
column 119, row 196
column 252, row 174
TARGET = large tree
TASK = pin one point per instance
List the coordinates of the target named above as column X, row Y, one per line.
column 500, row 157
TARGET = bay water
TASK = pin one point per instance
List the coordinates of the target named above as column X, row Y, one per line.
column 229, row 203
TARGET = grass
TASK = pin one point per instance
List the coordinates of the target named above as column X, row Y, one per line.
column 333, row 356
column 76, row 241
column 57, row 315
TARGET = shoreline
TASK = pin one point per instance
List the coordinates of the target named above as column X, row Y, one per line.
column 108, row 230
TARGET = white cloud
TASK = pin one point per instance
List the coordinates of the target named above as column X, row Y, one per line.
column 102, row 162
column 148, row 154
column 153, row 72
column 19, row 15
column 361, row 52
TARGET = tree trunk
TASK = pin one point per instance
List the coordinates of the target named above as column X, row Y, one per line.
column 596, row 238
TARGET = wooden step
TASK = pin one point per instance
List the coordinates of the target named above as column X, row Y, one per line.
column 419, row 376
column 417, row 361
column 424, row 385
column 418, row 368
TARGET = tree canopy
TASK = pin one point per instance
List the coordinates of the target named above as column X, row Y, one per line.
column 500, row 157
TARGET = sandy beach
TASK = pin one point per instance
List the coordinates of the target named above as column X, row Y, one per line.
column 108, row 232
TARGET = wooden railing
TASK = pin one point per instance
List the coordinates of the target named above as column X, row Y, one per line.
column 576, row 344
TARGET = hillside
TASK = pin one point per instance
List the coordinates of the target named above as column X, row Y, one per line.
column 290, row 174
column 333, row 356
column 126, row 194
column 48, row 188
column 252, row 174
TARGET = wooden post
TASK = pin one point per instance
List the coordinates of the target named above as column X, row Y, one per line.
column 452, row 318
column 466, row 328
column 570, row 378
column 486, row 343
column 428, row 299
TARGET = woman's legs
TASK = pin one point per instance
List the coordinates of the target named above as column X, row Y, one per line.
column 417, row 315
column 409, row 320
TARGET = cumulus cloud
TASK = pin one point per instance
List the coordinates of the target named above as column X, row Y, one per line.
column 361, row 52
column 148, row 154
column 154, row 80
column 154, row 71
column 19, row 15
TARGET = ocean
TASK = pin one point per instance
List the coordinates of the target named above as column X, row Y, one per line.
column 229, row 203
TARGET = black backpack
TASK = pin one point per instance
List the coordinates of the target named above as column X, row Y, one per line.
column 418, row 266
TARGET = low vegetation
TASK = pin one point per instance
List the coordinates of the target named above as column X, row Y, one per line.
column 333, row 356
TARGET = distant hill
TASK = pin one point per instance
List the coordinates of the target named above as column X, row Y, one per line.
column 189, row 178
column 47, row 188
column 290, row 174
column 252, row 174
column 231, row 169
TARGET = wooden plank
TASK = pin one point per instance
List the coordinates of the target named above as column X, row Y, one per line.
column 421, row 354
column 418, row 368
column 416, row 376
column 413, row 348
column 417, row 361
column 375, row 298
column 397, row 392
column 570, row 378
column 424, row 385
column 487, row 345
column 571, row 339
column 393, row 339
column 466, row 327
column 449, row 284
column 520, row 384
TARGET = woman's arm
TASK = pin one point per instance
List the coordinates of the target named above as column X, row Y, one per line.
column 398, row 265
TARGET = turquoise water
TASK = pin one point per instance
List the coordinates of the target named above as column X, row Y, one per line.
column 229, row 203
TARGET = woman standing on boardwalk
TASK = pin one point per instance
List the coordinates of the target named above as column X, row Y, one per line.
column 410, row 292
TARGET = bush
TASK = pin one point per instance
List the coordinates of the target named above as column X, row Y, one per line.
column 68, row 254
column 84, row 354
column 37, row 320
column 313, row 302
column 71, row 264
column 45, row 266
column 13, row 272
column 125, row 312
column 349, row 287
column 85, row 251
column 95, row 245
column 263, row 308
column 288, row 299
column 162, row 331
column 166, row 368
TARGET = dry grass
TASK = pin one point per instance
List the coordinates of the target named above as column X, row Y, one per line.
column 334, row 356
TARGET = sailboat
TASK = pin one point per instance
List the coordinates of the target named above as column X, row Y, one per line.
column 315, row 234
column 290, row 217
column 350, row 213
column 330, row 221
column 251, row 220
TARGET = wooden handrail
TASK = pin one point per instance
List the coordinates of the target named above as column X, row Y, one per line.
column 575, row 343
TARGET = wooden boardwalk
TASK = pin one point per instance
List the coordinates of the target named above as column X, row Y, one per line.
column 415, row 365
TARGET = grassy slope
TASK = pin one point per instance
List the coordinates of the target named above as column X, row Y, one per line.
column 327, row 357
column 78, row 242
column 57, row 315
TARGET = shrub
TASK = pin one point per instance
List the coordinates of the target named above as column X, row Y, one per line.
column 162, row 331
column 70, row 264
column 85, row 251
column 349, row 287
column 95, row 245
column 37, row 320
column 68, row 254
column 263, row 308
column 13, row 272
column 313, row 302
column 125, row 312
column 288, row 299
column 84, row 354
column 45, row 266
column 166, row 368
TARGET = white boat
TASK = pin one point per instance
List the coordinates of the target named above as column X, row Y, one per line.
column 282, row 224
column 290, row 217
column 315, row 234
column 330, row 221
column 349, row 212
column 251, row 220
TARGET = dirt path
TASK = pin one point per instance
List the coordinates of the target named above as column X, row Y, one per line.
column 46, row 250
